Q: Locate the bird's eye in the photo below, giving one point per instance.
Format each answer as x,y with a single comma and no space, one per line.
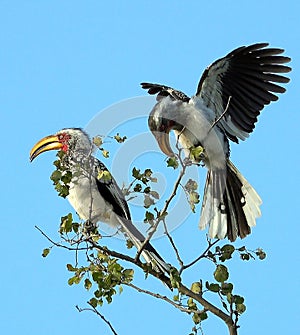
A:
64,137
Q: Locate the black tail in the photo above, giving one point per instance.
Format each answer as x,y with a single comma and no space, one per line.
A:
230,205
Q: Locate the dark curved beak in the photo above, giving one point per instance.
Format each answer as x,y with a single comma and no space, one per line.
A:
163,140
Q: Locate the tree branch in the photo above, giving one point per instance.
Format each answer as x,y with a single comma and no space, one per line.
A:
162,297
173,244
210,245
162,213
210,307
94,310
60,244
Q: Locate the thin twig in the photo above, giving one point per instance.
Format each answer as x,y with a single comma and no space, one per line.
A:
148,238
173,244
163,297
59,244
94,310
222,115
164,210
184,267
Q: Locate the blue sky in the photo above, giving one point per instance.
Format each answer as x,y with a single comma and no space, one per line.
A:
61,62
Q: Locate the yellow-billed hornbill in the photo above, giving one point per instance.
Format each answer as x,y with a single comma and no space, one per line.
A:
230,95
93,197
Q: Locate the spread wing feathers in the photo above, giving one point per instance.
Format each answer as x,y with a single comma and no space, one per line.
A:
230,205
250,76
110,191
164,91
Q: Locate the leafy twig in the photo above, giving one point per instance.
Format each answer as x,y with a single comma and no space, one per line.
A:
163,297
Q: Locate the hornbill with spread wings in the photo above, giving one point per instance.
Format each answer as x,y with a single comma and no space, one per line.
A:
230,95
95,198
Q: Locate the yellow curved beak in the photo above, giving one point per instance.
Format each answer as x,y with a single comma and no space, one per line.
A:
45,144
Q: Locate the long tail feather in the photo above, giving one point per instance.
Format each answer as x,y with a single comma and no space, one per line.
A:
230,205
150,255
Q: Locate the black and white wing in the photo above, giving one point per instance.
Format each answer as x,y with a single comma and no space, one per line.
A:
164,91
112,194
249,77
110,191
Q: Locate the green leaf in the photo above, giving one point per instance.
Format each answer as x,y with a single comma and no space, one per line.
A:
154,194
221,273
72,280
46,252
176,297
261,254
149,217
55,176
243,248
128,274
196,318
148,173
175,277
153,179
194,199
148,201
147,189
172,162
226,251
105,153
71,268
75,227
137,188
191,304
238,299
196,287
87,284
129,244
213,287
191,185
240,308
66,177
136,173
120,139
197,153
66,223
97,140
63,190
104,175
226,288
93,302
203,316
245,256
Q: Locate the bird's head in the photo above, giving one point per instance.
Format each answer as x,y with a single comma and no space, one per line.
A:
67,140
160,128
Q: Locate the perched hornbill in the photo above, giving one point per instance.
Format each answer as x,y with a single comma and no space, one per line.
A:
230,95
93,197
